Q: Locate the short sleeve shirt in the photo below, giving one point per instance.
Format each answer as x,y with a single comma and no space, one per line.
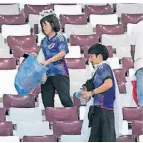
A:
50,48
106,99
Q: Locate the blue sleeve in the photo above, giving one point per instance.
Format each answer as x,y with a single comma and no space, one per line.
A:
63,44
105,72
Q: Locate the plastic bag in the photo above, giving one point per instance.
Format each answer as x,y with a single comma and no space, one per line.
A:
29,76
41,58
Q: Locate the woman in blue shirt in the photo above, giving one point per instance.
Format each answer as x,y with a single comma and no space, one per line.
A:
54,46
101,115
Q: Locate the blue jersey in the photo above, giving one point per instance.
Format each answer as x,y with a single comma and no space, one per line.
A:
50,48
106,99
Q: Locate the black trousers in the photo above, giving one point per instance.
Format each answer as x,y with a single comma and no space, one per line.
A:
102,129
60,83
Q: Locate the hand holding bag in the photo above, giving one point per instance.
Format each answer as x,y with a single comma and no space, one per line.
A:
29,75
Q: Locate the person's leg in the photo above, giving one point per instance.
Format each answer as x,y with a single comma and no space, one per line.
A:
62,85
139,78
108,126
48,93
95,133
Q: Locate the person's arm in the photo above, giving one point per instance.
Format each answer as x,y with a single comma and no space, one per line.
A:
104,87
105,75
63,50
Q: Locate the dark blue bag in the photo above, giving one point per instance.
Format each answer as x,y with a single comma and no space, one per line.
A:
29,76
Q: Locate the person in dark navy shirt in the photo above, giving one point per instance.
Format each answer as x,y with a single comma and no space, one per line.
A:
54,46
102,127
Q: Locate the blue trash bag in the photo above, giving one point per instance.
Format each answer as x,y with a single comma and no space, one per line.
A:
29,76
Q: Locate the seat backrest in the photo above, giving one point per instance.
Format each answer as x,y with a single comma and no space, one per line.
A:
109,29
9,9
127,63
84,40
35,9
24,42
115,40
108,19
5,53
11,30
7,75
84,29
67,128
132,113
70,138
8,72
74,52
76,63
129,8
33,129
137,128
22,114
73,19
119,42
6,129
141,138
7,63
98,9
9,139
114,62
121,80
131,18
61,114
2,115
49,138
18,101
130,27
128,138
67,9
18,51
12,19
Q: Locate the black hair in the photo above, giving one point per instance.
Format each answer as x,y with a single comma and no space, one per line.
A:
53,20
99,49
